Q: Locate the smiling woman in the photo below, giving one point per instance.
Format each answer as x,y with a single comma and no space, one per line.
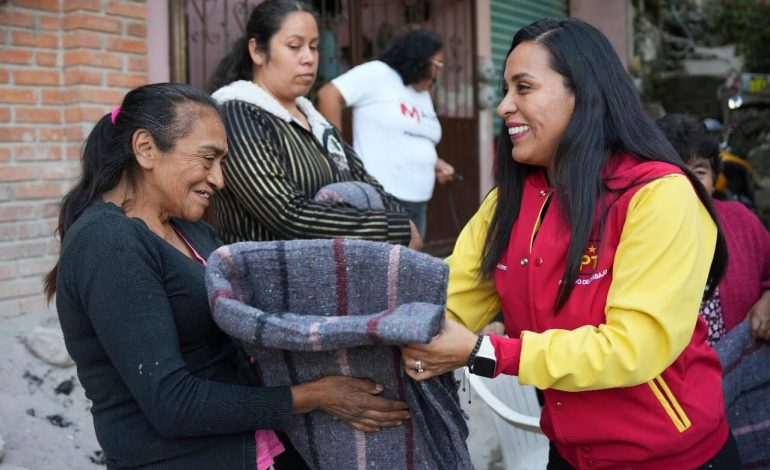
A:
596,245
169,388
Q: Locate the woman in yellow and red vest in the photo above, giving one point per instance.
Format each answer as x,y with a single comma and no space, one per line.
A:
596,244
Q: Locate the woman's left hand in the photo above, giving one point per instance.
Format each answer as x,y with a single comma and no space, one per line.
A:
444,171
759,318
447,351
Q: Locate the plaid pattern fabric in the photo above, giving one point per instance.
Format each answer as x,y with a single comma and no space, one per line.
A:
305,309
746,384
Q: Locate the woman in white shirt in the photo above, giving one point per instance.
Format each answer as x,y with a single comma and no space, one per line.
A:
395,128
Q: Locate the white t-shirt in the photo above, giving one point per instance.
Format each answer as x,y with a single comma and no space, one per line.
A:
395,129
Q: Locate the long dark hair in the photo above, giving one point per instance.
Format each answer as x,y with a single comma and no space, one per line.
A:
108,152
410,54
608,120
265,20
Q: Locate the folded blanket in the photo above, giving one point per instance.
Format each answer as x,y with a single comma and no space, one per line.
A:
746,385
355,193
305,309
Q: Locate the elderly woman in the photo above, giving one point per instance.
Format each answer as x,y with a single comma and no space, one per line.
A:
169,389
282,151
598,274
395,128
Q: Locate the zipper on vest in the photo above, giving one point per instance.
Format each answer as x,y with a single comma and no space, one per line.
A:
539,221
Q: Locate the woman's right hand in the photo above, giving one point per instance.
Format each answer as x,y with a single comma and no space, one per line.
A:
415,242
352,400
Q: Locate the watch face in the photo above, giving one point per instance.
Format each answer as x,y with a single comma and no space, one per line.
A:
484,366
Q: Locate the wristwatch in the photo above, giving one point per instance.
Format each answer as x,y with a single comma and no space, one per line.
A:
483,361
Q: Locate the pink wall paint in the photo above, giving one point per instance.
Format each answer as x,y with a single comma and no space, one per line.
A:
612,17
158,52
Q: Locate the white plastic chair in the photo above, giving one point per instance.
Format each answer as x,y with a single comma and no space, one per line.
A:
517,420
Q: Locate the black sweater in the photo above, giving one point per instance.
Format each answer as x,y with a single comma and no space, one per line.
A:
169,389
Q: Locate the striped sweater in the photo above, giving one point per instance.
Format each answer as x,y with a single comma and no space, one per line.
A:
275,168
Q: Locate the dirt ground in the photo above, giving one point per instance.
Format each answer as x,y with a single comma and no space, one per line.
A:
44,417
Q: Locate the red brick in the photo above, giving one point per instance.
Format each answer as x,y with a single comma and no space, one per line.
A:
72,152
79,76
16,18
51,209
88,114
18,95
7,270
101,96
14,212
17,134
19,287
37,190
19,173
5,76
61,134
5,154
37,152
85,39
8,232
38,114
136,29
58,96
46,59
133,10
126,80
36,77
92,58
94,5
137,64
134,46
15,56
35,229
49,5
51,134
5,114
38,39
74,133
91,22
62,171
52,23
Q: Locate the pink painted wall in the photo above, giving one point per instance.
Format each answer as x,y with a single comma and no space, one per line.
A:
158,52
612,17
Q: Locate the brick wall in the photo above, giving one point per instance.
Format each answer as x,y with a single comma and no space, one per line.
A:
63,64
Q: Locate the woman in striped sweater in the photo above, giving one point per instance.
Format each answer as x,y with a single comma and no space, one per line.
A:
282,151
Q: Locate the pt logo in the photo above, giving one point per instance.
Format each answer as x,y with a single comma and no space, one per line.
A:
590,259
410,111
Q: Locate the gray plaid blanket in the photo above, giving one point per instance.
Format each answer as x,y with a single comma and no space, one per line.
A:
746,385
305,309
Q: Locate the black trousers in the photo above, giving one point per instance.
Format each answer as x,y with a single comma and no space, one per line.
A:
290,459
726,459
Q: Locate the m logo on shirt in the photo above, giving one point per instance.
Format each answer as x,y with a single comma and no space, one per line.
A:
410,111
